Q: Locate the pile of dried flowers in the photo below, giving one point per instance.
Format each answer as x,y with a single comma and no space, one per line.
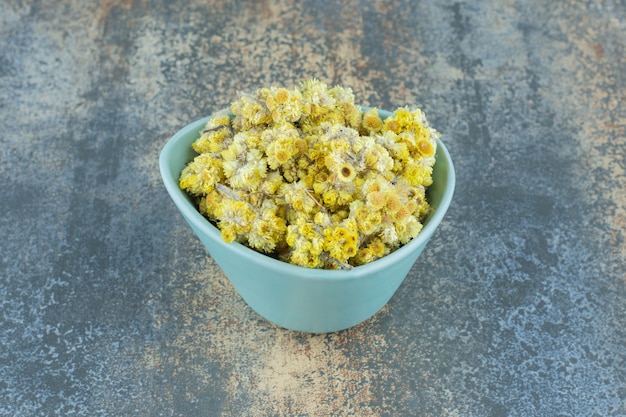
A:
309,177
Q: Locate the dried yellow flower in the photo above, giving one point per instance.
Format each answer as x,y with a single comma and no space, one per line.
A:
307,176
371,121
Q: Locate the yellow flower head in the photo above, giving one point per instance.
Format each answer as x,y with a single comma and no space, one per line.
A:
249,111
228,233
392,203
283,143
213,139
364,256
330,198
284,105
391,125
376,200
282,95
371,122
417,173
346,172
322,219
200,176
426,148
352,115
317,98
377,247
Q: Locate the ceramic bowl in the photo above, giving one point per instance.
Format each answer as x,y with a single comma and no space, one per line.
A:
294,297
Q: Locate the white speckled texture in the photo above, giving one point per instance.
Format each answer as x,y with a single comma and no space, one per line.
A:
109,305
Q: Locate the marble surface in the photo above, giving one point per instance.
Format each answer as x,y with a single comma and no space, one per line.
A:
110,306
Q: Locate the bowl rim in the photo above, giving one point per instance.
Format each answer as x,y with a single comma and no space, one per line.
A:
198,221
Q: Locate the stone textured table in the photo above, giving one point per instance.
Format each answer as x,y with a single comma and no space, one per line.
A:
110,306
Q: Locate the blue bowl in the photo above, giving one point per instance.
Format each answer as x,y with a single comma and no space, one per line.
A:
294,297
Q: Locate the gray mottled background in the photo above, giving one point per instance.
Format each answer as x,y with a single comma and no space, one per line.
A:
109,305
